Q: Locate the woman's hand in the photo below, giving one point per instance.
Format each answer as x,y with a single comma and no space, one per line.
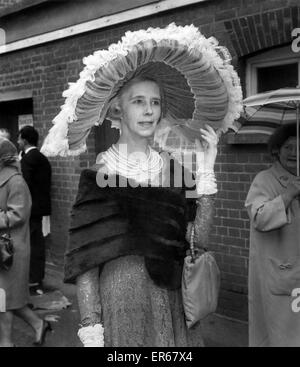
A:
293,188
292,191
207,149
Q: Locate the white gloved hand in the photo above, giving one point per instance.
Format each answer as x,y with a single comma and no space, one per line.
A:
206,156
207,150
92,336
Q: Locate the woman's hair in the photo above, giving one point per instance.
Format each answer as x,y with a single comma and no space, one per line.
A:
8,153
30,134
280,136
114,110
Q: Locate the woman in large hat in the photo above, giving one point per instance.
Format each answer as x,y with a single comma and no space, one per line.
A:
170,88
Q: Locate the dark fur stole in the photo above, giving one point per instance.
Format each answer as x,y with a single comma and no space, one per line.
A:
119,221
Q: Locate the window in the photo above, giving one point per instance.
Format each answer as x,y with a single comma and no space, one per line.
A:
272,69
269,70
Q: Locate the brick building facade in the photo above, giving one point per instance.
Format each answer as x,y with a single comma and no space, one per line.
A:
7,3
33,78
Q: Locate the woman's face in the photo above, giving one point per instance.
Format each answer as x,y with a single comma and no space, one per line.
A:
288,155
140,105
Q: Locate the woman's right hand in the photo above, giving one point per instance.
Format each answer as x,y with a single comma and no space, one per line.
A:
293,188
292,191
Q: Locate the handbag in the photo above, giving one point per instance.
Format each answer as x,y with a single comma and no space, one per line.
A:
200,284
6,249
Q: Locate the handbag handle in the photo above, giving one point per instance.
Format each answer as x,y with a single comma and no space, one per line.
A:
7,223
192,245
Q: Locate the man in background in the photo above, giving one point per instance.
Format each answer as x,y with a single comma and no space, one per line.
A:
36,170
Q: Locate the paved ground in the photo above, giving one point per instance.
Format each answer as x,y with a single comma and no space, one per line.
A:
218,331
66,326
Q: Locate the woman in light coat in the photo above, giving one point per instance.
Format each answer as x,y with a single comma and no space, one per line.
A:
15,206
273,204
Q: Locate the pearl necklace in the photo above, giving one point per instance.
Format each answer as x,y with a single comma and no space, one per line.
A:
133,166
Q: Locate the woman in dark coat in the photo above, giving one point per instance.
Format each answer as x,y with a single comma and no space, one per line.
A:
15,206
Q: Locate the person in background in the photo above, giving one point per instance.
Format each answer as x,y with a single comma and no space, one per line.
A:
4,133
36,171
274,211
137,209
15,205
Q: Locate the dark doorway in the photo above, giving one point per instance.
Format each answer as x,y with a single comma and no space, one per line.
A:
10,112
105,136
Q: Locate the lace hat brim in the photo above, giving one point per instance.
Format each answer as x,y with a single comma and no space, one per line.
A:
200,87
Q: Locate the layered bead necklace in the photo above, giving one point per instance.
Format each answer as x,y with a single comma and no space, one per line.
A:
135,166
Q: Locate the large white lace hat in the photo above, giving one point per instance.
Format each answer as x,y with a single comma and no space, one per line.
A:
199,82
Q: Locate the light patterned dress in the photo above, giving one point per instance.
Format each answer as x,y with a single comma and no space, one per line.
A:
137,313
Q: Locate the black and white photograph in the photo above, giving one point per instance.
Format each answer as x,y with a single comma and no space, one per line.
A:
149,176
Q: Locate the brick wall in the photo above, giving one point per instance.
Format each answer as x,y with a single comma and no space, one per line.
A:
236,168
6,3
238,24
